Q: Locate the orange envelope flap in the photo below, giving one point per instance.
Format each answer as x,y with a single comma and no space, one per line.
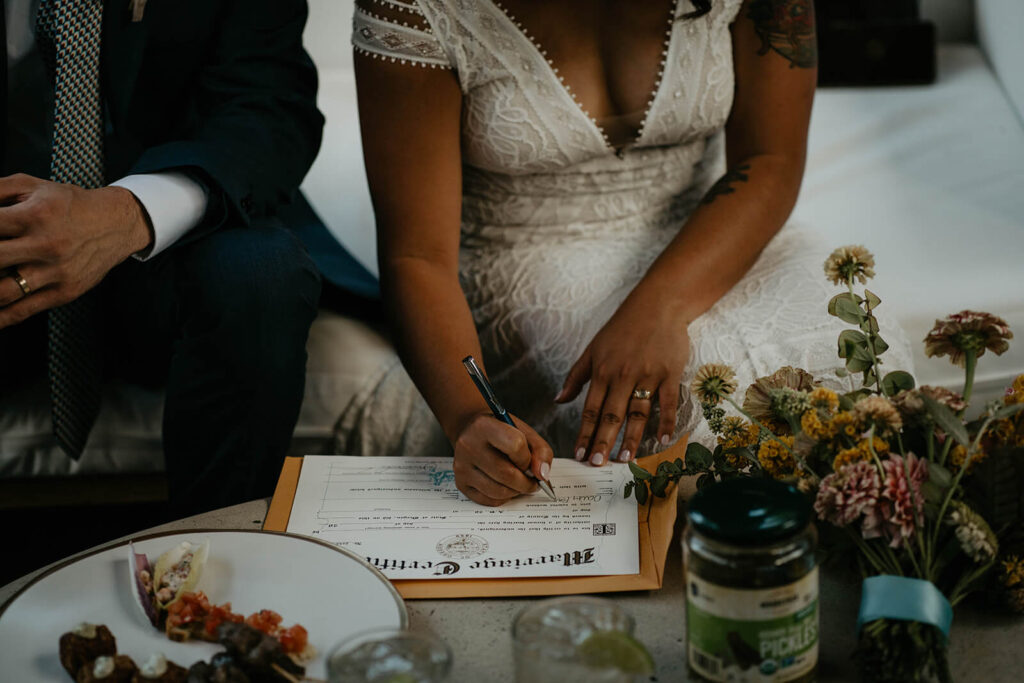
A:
655,523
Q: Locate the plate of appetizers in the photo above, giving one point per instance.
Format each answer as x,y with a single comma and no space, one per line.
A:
205,605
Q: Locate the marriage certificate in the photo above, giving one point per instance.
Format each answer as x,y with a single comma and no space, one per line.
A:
405,516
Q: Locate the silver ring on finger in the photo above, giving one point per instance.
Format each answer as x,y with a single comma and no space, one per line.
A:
22,283
641,394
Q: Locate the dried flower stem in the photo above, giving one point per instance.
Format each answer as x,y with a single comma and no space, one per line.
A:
970,362
871,339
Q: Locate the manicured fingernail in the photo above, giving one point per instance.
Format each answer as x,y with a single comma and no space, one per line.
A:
664,439
624,456
580,452
545,470
529,473
597,459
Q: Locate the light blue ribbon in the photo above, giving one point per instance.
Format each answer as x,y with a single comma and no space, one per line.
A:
899,597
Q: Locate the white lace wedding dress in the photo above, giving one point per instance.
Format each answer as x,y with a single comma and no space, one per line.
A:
558,226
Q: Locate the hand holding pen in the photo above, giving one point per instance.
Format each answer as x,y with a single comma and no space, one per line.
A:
538,463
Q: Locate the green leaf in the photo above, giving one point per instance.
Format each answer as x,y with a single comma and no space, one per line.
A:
858,360
869,325
705,480
842,372
1008,411
847,310
846,401
698,458
628,490
833,304
933,493
897,381
945,419
639,472
872,298
641,493
849,340
880,345
939,475
870,377
658,485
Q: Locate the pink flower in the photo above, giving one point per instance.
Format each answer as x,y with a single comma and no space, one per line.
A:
900,509
965,331
848,494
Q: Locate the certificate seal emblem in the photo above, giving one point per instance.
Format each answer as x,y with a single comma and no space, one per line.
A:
462,546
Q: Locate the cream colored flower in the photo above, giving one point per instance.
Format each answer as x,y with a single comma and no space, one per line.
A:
974,534
757,402
850,263
880,411
965,331
713,382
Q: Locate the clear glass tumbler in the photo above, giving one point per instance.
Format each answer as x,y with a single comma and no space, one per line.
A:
555,641
389,656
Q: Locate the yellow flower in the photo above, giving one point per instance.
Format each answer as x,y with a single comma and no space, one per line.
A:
812,426
775,458
1013,571
737,433
848,456
713,382
959,454
850,263
845,423
825,399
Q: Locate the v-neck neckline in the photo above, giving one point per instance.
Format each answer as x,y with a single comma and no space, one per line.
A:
566,89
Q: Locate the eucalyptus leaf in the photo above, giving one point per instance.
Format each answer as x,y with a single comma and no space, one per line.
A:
846,401
1008,411
880,345
939,475
641,493
842,372
659,484
848,311
897,381
705,480
850,339
872,298
855,364
833,304
639,472
933,493
869,325
698,458
870,377
946,419
628,491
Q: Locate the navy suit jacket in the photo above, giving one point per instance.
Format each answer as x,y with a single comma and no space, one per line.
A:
223,90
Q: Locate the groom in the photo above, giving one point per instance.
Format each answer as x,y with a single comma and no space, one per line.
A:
150,153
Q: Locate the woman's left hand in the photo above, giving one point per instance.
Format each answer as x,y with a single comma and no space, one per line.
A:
642,351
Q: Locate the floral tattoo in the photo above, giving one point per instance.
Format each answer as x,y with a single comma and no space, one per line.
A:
724,184
787,27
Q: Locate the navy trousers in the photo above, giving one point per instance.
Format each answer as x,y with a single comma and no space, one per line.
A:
221,324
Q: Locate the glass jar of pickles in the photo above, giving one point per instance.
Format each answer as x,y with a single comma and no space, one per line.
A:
751,583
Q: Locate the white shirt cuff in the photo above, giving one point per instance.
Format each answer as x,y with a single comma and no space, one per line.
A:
174,202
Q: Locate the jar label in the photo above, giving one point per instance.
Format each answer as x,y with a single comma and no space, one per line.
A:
768,634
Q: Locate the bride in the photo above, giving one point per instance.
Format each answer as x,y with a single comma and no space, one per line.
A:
554,196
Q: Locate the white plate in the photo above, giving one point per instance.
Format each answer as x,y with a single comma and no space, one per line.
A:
328,590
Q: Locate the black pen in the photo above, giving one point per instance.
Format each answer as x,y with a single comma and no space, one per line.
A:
499,412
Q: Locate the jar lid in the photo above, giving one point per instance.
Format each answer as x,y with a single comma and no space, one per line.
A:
749,511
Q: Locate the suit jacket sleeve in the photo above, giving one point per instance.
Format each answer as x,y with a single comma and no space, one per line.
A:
256,127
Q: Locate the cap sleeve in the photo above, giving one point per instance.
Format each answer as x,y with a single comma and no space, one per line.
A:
398,31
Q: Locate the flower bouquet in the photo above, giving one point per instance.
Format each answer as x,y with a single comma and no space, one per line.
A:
901,479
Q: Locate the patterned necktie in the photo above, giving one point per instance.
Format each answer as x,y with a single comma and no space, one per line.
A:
69,40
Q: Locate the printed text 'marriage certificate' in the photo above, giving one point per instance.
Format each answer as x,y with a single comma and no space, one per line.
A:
405,516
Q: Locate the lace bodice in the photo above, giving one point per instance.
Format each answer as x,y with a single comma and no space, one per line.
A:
558,226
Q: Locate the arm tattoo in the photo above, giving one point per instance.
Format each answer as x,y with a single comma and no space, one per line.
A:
724,184
786,26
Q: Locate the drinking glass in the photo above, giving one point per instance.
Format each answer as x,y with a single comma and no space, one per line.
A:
549,639
389,656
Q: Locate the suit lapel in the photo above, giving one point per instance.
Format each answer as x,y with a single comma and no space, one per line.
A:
123,43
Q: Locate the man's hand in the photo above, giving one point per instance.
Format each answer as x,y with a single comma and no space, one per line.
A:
62,239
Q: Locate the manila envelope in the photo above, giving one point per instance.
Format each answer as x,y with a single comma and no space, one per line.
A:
655,522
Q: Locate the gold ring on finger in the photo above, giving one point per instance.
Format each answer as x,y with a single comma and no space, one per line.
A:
16,276
641,394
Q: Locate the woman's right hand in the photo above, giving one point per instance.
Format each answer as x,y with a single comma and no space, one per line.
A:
492,460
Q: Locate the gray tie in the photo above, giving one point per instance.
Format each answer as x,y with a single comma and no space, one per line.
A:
69,33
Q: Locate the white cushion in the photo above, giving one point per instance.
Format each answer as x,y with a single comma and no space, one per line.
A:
931,180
